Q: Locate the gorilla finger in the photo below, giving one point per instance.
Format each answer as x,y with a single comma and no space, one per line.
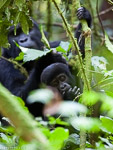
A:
78,91
75,88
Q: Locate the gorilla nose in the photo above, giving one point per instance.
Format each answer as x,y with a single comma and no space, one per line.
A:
64,87
23,40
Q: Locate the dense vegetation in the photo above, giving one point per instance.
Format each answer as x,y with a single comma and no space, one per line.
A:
86,124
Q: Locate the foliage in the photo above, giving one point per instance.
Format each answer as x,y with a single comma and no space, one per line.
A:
63,132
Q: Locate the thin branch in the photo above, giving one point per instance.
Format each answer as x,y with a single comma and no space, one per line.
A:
17,65
104,11
57,24
103,40
67,27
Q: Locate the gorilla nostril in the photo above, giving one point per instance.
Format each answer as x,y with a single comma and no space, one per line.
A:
63,86
23,40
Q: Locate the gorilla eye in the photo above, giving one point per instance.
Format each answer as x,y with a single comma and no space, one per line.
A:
62,77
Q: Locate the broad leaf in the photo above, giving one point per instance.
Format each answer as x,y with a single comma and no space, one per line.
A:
71,108
99,63
32,54
57,138
89,124
107,124
64,47
42,95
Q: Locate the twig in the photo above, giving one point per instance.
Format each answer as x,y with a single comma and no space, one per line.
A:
66,25
103,39
104,11
18,66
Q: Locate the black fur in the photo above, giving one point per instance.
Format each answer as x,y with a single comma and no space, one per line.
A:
82,13
58,75
10,75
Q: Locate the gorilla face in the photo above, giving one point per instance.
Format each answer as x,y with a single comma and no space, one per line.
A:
61,82
59,76
32,40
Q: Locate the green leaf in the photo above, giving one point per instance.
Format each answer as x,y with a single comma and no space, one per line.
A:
57,138
58,1
88,124
3,33
57,121
24,23
20,4
16,20
99,63
4,137
32,54
2,3
107,142
108,44
90,98
8,14
42,95
109,93
20,57
64,47
71,108
107,124
107,104
72,142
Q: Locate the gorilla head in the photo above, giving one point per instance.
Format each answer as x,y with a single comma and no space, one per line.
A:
32,40
59,76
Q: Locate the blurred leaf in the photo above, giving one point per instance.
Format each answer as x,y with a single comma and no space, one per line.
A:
2,3
108,44
3,33
72,142
109,93
107,124
108,73
71,108
57,138
99,63
107,104
20,4
58,1
46,132
19,99
91,97
41,95
58,121
8,14
5,138
107,143
89,124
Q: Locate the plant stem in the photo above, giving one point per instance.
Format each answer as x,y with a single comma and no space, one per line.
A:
24,124
74,41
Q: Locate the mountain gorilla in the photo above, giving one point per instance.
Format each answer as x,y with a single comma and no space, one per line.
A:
59,76
12,78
